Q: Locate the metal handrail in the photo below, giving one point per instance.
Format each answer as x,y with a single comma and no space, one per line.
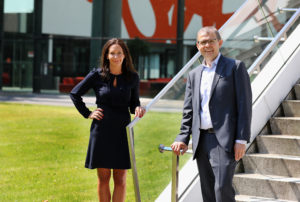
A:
162,148
273,43
260,38
288,9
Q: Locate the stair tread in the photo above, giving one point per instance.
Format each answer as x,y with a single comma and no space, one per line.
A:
283,136
298,101
286,118
268,177
257,198
275,156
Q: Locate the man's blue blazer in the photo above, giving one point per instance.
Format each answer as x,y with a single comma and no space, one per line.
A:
230,105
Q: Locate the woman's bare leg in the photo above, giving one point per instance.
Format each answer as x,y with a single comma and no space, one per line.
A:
119,176
103,184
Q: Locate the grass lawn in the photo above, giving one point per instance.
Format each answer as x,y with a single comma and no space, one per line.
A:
43,148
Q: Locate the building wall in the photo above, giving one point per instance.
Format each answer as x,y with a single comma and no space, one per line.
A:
158,19
67,27
140,18
65,17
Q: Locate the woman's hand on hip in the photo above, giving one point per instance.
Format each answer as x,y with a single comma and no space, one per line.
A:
97,114
139,111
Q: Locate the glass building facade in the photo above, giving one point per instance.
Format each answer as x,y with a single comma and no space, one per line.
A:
66,38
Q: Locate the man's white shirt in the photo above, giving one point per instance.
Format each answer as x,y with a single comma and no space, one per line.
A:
208,74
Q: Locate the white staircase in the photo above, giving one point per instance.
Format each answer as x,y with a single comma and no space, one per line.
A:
273,173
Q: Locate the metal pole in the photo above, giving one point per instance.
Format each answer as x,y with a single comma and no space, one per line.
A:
175,165
130,140
112,18
1,41
175,170
97,31
106,23
37,36
50,49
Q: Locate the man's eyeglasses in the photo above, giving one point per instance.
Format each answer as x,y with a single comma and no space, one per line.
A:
209,42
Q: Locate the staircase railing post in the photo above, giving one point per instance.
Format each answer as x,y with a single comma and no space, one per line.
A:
175,165
130,139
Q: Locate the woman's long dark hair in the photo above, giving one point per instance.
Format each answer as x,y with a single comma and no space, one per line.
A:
127,65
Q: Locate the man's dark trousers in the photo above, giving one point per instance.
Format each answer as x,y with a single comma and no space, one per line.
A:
215,165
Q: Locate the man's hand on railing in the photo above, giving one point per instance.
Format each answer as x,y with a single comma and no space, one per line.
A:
179,148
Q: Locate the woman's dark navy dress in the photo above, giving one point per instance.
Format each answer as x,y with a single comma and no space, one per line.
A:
108,147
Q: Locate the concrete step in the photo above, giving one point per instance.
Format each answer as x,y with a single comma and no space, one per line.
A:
279,144
272,164
285,125
297,91
269,186
291,108
246,198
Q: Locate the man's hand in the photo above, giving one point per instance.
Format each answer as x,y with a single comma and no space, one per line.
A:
239,151
178,146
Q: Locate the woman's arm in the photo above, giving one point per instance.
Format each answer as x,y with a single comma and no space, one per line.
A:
135,97
79,90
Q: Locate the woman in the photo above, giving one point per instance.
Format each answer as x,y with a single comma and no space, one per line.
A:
116,86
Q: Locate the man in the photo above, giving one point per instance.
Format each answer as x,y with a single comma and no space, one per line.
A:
217,112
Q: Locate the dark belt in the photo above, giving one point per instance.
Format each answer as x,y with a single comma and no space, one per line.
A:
209,130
